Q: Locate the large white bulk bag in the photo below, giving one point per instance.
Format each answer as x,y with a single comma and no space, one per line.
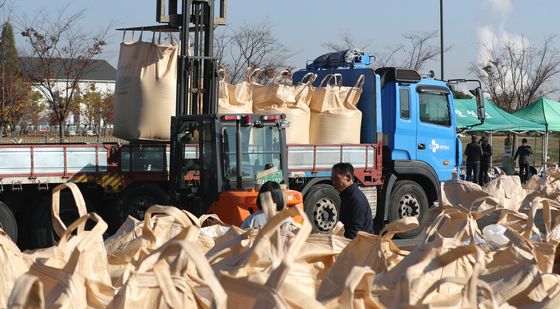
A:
145,90
238,98
299,117
336,120
335,127
288,99
273,94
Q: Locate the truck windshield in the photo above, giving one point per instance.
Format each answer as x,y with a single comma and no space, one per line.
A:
434,108
260,148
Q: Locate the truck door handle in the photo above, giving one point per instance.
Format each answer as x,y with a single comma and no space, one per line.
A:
421,146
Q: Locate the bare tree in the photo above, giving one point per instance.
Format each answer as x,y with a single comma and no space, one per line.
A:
62,55
251,46
421,50
346,41
517,74
415,54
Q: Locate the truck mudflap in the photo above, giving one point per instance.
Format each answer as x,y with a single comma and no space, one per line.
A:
236,205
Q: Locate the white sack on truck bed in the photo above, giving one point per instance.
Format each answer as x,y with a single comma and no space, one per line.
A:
292,100
145,90
334,116
236,98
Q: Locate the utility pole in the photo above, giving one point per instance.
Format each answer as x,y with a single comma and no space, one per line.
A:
441,34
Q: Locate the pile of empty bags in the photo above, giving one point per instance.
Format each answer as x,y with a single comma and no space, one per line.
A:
490,247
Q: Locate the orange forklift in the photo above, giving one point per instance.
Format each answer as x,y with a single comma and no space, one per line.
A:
232,150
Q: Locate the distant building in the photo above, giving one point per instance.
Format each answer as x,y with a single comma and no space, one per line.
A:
99,73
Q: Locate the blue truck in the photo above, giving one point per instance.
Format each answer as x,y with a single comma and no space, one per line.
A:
409,142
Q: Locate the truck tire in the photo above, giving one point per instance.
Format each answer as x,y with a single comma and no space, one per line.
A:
40,217
408,199
8,222
322,206
136,199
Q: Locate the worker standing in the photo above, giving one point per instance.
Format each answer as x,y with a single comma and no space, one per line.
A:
523,152
355,212
485,161
473,152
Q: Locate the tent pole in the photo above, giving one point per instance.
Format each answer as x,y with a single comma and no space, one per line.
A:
535,147
545,151
490,141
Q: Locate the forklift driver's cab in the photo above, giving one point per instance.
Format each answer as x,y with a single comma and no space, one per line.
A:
218,174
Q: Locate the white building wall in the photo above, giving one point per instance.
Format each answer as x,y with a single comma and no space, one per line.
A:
103,87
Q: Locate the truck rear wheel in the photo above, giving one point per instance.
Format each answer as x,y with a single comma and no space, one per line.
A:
41,234
408,199
8,222
137,199
322,206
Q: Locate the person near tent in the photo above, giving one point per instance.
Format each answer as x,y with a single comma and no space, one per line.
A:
523,152
473,152
485,160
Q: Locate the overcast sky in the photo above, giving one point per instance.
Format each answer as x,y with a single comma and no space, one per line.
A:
302,25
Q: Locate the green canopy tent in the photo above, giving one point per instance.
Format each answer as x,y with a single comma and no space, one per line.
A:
546,113
497,120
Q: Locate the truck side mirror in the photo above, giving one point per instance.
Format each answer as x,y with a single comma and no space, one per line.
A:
480,104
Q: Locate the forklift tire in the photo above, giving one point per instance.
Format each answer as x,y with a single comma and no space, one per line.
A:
408,199
8,222
322,206
42,234
136,199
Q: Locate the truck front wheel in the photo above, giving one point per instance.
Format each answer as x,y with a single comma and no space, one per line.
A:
322,206
8,222
408,199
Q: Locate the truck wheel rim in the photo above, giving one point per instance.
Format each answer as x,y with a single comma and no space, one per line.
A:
409,206
325,214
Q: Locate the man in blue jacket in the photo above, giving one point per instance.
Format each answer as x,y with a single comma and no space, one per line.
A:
355,212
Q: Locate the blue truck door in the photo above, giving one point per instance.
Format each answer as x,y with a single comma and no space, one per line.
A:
435,133
404,138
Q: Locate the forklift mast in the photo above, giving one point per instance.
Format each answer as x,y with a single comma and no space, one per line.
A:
197,79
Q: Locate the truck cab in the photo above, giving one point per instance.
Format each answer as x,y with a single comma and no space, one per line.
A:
419,127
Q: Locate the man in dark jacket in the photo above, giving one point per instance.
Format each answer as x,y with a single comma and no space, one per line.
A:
523,152
355,212
473,152
485,160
